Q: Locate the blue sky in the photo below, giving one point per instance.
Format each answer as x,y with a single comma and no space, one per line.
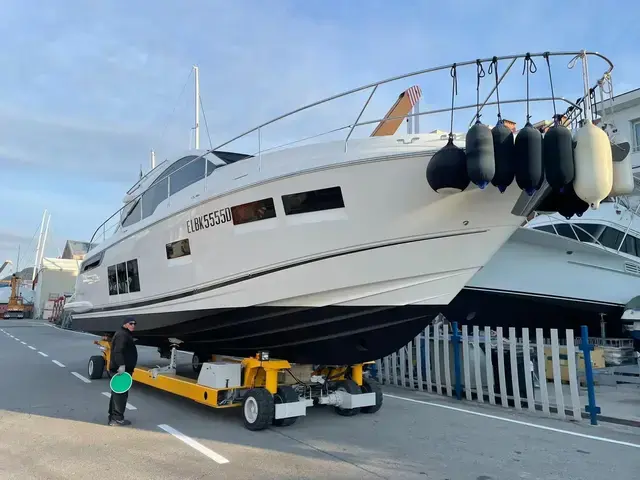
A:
88,88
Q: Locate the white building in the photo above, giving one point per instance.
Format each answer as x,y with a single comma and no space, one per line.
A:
624,113
55,278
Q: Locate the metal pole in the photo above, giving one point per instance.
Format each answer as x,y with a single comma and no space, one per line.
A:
197,105
44,240
591,408
35,262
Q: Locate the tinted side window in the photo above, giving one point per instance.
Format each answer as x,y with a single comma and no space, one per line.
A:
173,167
178,249
545,228
253,211
133,216
565,230
187,175
313,201
132,276
123,284
154,196
630,245
611,237
113,280
586,231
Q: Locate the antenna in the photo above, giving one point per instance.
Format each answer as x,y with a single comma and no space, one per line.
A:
197,105
153,159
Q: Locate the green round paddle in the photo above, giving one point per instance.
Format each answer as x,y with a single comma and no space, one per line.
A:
121,382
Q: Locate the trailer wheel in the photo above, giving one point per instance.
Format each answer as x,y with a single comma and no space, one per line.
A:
95,368
369,386
285,394
351,387
258,408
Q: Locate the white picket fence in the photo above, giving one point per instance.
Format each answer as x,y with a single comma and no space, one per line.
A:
428,364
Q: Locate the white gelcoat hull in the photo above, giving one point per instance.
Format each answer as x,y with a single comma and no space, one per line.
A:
536,263
396,242
542,280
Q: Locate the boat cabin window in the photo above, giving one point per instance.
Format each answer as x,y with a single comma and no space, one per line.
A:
313,201
132,276
113,280
133,216
123,278
587,232
178,176
611,238
545,228
253,211
92,262
178,249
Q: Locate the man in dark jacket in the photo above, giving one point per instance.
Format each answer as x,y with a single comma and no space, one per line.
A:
124,357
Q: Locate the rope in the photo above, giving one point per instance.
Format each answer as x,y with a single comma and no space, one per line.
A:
494,66
481,74
176,103
528,67
454,92
555,113
206,125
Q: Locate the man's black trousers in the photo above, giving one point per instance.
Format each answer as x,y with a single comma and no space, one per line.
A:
117,405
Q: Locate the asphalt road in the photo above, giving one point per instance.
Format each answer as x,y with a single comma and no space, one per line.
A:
53,426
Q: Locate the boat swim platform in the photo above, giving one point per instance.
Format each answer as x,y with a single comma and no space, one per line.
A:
257,384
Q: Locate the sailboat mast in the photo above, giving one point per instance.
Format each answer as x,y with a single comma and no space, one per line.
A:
197,105
35,263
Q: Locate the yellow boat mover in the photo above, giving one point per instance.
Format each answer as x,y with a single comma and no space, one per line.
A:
268,390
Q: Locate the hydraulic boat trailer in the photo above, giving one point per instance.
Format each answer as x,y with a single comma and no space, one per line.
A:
253,384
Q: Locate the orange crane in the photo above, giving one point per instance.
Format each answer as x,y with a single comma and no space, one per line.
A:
15,307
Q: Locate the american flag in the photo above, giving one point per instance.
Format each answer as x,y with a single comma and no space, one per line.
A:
414,93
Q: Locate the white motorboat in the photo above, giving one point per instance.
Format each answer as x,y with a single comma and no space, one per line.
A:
559,273
329,253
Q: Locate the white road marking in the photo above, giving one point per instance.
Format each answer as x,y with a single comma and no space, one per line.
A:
518,422
77,375
24,343
16,339
58,363
73,331
216,457
43,354
129,406
32,348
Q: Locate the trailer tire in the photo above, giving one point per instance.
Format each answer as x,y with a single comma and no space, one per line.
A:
351,387
95,368
258,409
285,394
369,386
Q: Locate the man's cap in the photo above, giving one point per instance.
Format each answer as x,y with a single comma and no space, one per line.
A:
129,320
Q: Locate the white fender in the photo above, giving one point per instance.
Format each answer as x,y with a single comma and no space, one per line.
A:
593,179
623,183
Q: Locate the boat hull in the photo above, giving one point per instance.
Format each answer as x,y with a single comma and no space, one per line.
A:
542,280
333,335
338,285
